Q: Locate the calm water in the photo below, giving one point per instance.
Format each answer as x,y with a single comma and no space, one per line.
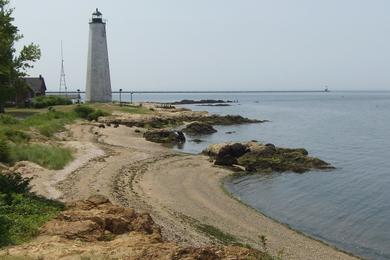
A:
348,207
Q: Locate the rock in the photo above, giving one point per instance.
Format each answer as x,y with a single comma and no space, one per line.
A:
269,158
165,136
202,101
238,149
228,154
199,128
198,141
92,219
102,126
98,200
86,230
228,120
225,160
213,149
257,157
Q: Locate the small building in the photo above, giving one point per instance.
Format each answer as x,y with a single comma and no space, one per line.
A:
34,87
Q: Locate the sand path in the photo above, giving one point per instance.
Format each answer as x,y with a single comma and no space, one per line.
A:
178,190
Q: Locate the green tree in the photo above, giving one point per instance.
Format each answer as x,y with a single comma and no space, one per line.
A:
13,65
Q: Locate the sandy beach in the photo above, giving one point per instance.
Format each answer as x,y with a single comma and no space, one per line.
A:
178,190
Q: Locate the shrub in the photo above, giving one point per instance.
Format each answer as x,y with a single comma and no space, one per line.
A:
21,219
89,113
96,114
84,111
47,101
14,183
4,151
51,157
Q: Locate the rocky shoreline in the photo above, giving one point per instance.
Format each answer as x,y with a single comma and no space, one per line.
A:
254,157
180,209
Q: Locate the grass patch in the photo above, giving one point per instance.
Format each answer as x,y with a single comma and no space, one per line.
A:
48,101
135,110
22,213
8,120
48,156
217,234
48,123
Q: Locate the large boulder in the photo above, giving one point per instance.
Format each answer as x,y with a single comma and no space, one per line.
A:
269,158
96,218
257,157
199,128
165,136
228,154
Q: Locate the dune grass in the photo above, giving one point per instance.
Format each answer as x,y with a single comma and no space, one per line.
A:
18,126
47,156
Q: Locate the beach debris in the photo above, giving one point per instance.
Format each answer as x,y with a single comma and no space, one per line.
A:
199,128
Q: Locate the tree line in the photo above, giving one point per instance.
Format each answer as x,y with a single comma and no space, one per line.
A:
13,64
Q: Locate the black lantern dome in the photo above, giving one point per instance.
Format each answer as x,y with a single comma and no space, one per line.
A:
97,17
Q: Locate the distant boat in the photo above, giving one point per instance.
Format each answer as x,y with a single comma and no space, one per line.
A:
326,89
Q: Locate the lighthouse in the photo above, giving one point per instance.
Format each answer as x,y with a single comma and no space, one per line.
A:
98,87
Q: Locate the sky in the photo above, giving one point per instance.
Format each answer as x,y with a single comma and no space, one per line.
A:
216,44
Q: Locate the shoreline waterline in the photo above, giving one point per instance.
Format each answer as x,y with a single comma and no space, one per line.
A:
224,188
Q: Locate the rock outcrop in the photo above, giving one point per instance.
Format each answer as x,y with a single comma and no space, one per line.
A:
199,128
165,136
97,229
256,157
97,219
175,118
202,101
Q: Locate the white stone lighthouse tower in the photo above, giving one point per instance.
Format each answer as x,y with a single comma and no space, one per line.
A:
98,88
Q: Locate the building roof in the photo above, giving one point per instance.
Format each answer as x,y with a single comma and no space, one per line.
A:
37,85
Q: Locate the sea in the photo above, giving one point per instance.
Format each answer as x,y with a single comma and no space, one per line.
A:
348,207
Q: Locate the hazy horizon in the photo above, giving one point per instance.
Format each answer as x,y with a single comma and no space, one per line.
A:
217,45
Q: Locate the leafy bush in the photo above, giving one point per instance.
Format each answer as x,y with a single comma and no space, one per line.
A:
8,120
21,219
89,113
4,151
22,213
47,101
51,157
96,114
84,111
14,183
